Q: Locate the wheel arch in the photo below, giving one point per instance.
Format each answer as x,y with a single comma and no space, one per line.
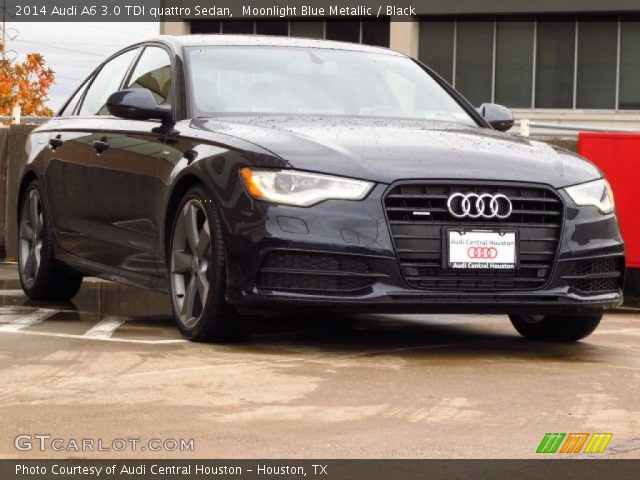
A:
28,177
182,186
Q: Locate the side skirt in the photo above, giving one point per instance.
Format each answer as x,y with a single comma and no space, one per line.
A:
114,274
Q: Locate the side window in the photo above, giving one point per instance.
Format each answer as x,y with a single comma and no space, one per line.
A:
106,82
71,106
153,72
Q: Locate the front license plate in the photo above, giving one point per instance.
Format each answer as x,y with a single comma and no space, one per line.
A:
482,249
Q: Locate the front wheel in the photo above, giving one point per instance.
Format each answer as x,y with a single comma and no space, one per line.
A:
556,328
197,268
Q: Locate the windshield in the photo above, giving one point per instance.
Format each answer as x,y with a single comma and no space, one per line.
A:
277,80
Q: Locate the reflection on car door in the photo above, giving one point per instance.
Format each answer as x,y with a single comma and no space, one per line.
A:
123,184
65,179
124,176
67,175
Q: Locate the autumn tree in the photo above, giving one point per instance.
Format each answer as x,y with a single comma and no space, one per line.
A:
27,82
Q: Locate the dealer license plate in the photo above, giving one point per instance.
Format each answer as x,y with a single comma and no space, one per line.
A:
482,249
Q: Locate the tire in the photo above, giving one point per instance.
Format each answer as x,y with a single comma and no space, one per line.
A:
201,312
42,277
556,328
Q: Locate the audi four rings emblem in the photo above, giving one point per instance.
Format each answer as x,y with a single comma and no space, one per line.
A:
479,205
482,252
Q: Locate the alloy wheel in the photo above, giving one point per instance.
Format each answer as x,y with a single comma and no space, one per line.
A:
31,230
190,262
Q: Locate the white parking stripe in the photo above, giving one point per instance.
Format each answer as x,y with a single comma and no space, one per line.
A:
105,328
17,319
24,321
11,293
99,339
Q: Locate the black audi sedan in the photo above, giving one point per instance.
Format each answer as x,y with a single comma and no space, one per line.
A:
248,175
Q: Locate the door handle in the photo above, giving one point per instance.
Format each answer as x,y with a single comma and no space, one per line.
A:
56,142
101,145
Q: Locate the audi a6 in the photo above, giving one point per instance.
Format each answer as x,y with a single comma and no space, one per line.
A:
261,175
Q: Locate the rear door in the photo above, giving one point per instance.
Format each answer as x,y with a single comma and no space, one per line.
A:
123,178
65,175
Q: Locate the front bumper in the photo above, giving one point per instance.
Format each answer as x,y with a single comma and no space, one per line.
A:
339,256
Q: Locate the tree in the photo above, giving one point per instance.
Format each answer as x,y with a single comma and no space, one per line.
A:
27,82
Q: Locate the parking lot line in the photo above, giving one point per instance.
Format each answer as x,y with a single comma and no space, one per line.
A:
16,324
99,339
106,328
18,319
11,293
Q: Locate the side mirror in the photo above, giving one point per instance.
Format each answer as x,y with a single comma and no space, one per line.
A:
499,117
137,104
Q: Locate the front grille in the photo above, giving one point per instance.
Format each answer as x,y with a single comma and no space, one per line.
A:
596,276
418,239
317,273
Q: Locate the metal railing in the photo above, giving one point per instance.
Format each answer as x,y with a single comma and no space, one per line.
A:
23,120
526,125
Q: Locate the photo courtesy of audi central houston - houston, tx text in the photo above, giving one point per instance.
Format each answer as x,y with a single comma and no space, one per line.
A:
330,240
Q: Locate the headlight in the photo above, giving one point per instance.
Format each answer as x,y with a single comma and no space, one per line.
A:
301,189
594,194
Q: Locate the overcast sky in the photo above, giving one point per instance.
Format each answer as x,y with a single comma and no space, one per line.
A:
73,50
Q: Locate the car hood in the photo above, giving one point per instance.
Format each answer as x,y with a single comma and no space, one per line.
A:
386,150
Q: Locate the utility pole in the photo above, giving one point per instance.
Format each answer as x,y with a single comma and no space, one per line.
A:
16,111
7,34
4,29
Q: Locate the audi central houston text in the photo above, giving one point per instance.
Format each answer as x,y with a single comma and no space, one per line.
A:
249,175
197,469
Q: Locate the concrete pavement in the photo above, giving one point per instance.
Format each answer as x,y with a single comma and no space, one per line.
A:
111,365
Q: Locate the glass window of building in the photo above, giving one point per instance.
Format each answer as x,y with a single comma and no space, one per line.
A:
436,45
231,26
306,29
376,32
555,62
630,63
474,59
343,31
201,26
280,28
597,60
581,61
514,61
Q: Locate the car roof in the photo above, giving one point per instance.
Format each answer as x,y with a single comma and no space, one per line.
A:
178,41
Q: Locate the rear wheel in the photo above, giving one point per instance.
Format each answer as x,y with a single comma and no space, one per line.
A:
41,276
558,328
197,266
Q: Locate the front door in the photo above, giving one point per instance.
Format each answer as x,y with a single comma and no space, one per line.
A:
123,179
124,186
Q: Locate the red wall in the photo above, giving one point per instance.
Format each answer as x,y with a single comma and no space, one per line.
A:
618,155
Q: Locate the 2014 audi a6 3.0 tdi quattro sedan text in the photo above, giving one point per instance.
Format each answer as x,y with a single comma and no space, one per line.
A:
249,175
